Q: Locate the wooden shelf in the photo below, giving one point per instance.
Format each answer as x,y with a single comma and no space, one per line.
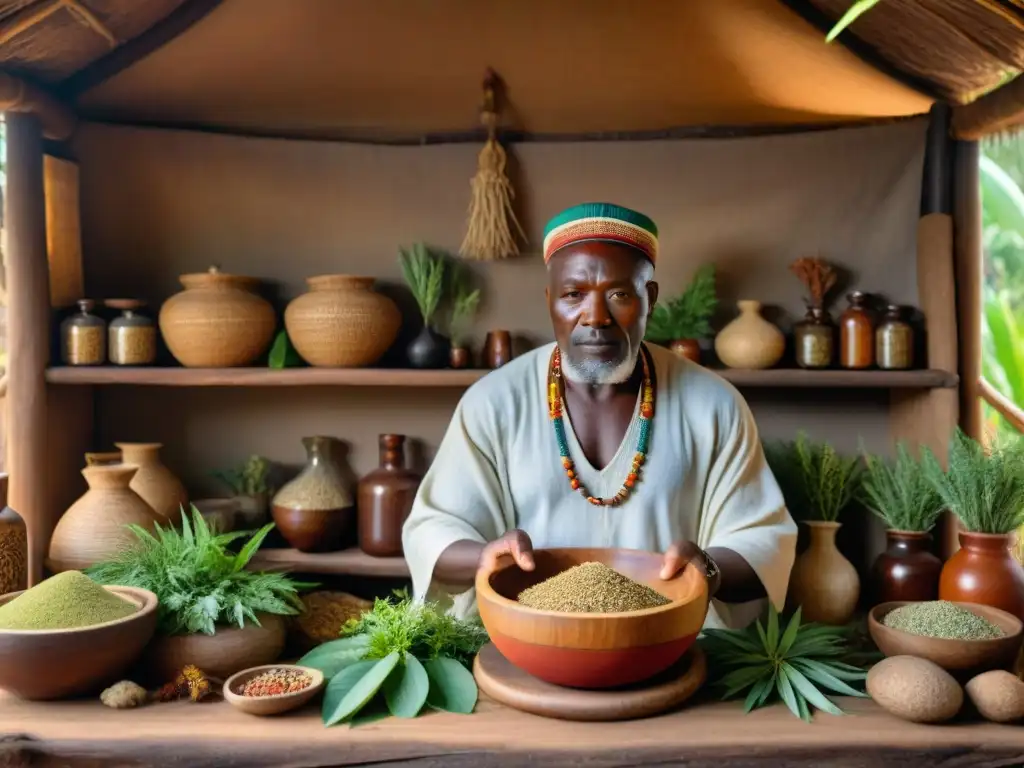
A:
402,377
347,562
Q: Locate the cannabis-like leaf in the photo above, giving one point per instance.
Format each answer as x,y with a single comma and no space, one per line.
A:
796,664
688,315
424,274
816,482
899,492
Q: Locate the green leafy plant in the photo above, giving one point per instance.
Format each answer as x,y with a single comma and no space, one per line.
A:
199,583
795,665
283,354
855,11
396,659
816,482
688,316
899,492
985,490
248,479
424,274
465,300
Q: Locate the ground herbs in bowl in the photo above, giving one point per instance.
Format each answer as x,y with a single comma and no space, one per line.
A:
941,619
591,588
275,682
69,600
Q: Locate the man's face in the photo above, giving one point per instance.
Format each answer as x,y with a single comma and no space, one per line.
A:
600,296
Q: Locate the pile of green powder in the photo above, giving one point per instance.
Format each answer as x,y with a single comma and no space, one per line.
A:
943,619
65,601
591,588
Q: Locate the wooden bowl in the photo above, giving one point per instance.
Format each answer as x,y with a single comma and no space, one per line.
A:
270,705
45,664
592,650
957,656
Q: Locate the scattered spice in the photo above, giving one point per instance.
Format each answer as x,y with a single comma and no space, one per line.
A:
274,682
591,588
68,600
191,682
124,695
942,619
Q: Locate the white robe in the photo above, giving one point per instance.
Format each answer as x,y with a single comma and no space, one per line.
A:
705,480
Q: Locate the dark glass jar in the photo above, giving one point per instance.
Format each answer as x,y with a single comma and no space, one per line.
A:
815,339
856,334
894,341
83,337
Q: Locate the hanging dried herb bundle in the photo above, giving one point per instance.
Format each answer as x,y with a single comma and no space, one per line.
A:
818,278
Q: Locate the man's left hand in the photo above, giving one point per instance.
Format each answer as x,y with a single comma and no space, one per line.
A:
681,553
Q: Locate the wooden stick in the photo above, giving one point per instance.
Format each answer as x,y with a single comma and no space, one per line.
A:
88,18
1006,408
969,266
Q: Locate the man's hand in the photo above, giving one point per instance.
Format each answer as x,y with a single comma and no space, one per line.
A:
679,555
515,543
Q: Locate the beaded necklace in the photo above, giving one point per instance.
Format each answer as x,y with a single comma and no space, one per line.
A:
555,413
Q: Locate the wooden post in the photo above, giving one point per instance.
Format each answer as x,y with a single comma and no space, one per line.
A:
969,279
28,334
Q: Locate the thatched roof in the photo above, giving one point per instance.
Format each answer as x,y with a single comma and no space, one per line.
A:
319,67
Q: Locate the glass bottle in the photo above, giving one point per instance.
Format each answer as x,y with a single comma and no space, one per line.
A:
131,339
84,337
815,339
894,341
856,334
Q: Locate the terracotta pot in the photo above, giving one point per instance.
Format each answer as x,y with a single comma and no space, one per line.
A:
221,654
94,528
458,358
155,483
688,348
218,321
385,499
429,350
823,583
984,571
750,341
314,512
342,322
907,570
497,349
13,545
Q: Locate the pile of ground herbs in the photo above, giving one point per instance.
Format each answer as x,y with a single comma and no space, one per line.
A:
68,600
591,588
941,619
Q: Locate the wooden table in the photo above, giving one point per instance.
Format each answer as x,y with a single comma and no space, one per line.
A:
87,735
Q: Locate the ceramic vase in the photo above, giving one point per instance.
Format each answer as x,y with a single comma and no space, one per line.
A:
429,349
907,570
342,322
94,528
385,499
458,358
497,349
750,341
315,511
218,321
154,482
13,546
687,348
984,571
823,583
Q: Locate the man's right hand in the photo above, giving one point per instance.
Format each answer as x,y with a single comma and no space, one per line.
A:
515,543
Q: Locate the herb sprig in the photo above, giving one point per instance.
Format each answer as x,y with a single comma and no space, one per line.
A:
424,273
899,492
816,482
688,316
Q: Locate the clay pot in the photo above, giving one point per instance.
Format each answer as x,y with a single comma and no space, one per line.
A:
314,512
13,545
907,570
458,358
342,322
154,482
984,571
218,321
221,654
823,583
750,341
429,350
497,349
94,528
385,499
688,348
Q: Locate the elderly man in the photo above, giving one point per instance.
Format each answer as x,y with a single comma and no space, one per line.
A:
599,440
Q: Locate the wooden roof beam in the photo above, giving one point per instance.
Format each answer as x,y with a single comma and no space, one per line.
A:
997,111
57,118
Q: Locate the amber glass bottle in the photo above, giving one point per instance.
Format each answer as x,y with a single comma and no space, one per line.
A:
856,334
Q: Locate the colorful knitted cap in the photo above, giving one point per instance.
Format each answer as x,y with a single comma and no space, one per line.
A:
604,222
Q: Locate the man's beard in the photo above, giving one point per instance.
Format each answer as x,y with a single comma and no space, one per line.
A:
580,369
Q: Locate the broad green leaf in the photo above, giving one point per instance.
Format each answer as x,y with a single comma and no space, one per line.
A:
332,657
375,710
789,696
820,673
406,688
773,628
855,11
790,634
452,687
806,689
354,686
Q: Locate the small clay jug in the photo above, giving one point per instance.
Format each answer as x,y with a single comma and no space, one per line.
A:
907,570
823,583
750,341
458,358
429,350
984,571
497,349
154,482
314,511
385,499
13,545
95,527
688,348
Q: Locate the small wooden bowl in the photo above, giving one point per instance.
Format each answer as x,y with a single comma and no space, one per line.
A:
957,656
592,650
46,664
270,705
